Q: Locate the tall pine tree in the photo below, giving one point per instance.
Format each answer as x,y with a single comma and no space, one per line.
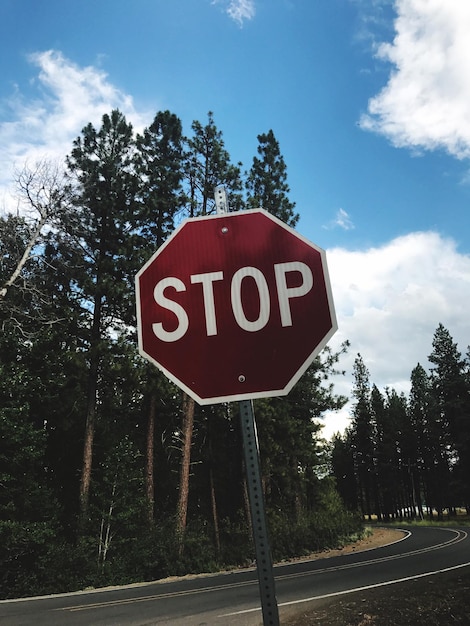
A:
159,164
266,183
102,163
363,428
451,392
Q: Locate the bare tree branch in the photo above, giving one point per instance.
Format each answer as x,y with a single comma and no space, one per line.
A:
42,193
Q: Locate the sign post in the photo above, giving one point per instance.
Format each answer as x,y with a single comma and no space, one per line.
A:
264,566
236,306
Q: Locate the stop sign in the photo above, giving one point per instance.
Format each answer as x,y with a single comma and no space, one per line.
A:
234,306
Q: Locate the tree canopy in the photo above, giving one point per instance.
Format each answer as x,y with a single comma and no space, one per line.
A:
107,473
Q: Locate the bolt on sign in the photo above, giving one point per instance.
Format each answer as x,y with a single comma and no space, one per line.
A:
234,306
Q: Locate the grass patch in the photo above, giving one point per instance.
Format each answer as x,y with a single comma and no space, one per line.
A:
460,520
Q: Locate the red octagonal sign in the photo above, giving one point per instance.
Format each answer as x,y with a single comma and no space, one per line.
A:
234,306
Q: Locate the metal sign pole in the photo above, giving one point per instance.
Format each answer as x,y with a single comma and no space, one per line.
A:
264,564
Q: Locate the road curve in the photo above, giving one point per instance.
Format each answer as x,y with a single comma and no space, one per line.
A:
232,598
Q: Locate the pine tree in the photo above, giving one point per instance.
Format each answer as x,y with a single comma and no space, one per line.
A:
208,165
420,416
397,416
363,429
465,444
342,466
451,393
159,160
159,164
386,455
266,184
102,162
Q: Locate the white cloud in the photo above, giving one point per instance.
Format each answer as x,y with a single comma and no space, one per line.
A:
239,10
341,220
390,300
67,97
425,102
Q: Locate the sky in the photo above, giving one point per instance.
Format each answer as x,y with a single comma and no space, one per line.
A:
367,98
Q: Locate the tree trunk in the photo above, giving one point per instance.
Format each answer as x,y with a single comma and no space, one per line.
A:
90,415
88,449
187,433
26,254
215,516
149,464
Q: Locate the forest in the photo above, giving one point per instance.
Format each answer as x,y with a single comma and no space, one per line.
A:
409,457
109,474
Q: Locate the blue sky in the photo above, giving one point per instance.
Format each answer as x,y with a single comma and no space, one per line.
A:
369,102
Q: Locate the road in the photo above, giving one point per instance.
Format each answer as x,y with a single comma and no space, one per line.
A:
233,598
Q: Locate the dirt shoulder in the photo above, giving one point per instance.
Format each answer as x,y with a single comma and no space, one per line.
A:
433,601
377,538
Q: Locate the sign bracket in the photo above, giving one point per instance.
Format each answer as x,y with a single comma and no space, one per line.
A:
221,202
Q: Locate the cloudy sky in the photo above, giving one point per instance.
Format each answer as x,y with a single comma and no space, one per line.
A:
368,99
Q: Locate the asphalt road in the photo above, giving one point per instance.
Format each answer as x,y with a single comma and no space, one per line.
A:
233,598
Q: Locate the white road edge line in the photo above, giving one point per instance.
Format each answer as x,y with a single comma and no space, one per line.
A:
341,593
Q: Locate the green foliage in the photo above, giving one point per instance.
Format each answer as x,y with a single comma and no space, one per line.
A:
410,457
267,181
24,492
159,164
329,525
24,547
342,469
208,165
236,541
290,447
15,233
